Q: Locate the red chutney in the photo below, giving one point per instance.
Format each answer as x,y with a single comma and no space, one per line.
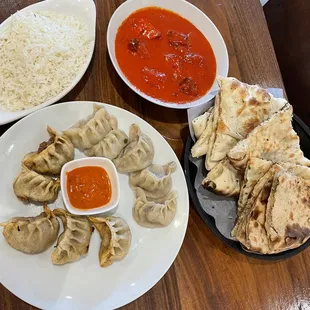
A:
88,187
165,56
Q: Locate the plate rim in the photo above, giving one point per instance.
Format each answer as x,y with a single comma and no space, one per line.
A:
209,220
148,287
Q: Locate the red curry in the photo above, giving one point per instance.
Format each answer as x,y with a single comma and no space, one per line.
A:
165,56
88,187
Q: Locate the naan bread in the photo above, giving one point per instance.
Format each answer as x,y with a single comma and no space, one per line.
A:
208,162
250,228
200,123
242,107
288,212
51,155
224,179
273,140
255,170
32,235
202,144
115,239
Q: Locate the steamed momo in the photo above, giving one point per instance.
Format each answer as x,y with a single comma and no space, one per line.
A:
73,242
111,146
32,235
115,239
51,155
155,180
157,213
87,133
138,154
29,185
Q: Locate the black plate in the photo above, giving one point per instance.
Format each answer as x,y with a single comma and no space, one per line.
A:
303,132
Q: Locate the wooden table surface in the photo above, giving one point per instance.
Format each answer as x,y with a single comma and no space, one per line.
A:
206,274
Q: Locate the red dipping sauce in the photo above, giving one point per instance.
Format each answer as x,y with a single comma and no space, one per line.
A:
88,187
165,56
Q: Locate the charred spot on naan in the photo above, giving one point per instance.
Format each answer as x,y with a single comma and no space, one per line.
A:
296,232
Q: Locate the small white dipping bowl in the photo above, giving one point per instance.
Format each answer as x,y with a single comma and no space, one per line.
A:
192,14
105,163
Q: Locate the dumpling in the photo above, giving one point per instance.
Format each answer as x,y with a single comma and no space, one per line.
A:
138,154
111,146
115,239
31,186
73,242
32,235
86,133
51,155
155,180
157,213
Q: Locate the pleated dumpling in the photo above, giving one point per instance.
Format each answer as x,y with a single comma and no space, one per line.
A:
115,239
73,242
138,154
156,213
111,146
86,133
155,180
51,155
32,235
31,186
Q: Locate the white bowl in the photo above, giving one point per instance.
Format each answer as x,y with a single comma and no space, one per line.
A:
191,13
105,163
83,9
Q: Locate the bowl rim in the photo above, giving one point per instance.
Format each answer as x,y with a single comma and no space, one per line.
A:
205,98
104,162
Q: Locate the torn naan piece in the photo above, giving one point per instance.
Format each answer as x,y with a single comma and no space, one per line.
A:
200,123
288,212
208,162
255,170
224,179
273,140
202,144
242,107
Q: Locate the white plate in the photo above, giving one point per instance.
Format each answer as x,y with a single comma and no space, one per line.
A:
84,9
197,18
84,284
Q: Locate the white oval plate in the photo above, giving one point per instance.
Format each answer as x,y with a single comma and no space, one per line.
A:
84,284
197,18
84,9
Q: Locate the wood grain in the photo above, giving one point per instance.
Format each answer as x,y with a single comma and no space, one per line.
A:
206,274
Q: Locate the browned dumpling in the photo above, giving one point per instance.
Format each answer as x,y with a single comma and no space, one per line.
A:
73,242
32,235
31,186
51,155
115,239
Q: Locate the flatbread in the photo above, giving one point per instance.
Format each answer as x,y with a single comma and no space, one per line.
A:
288,212
224,179
242,107
209,163
273,140
200,123
255,170
202,144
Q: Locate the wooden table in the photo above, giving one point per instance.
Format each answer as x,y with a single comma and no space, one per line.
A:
206,274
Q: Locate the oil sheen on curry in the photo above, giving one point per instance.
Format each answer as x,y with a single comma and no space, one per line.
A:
88,187
165,56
